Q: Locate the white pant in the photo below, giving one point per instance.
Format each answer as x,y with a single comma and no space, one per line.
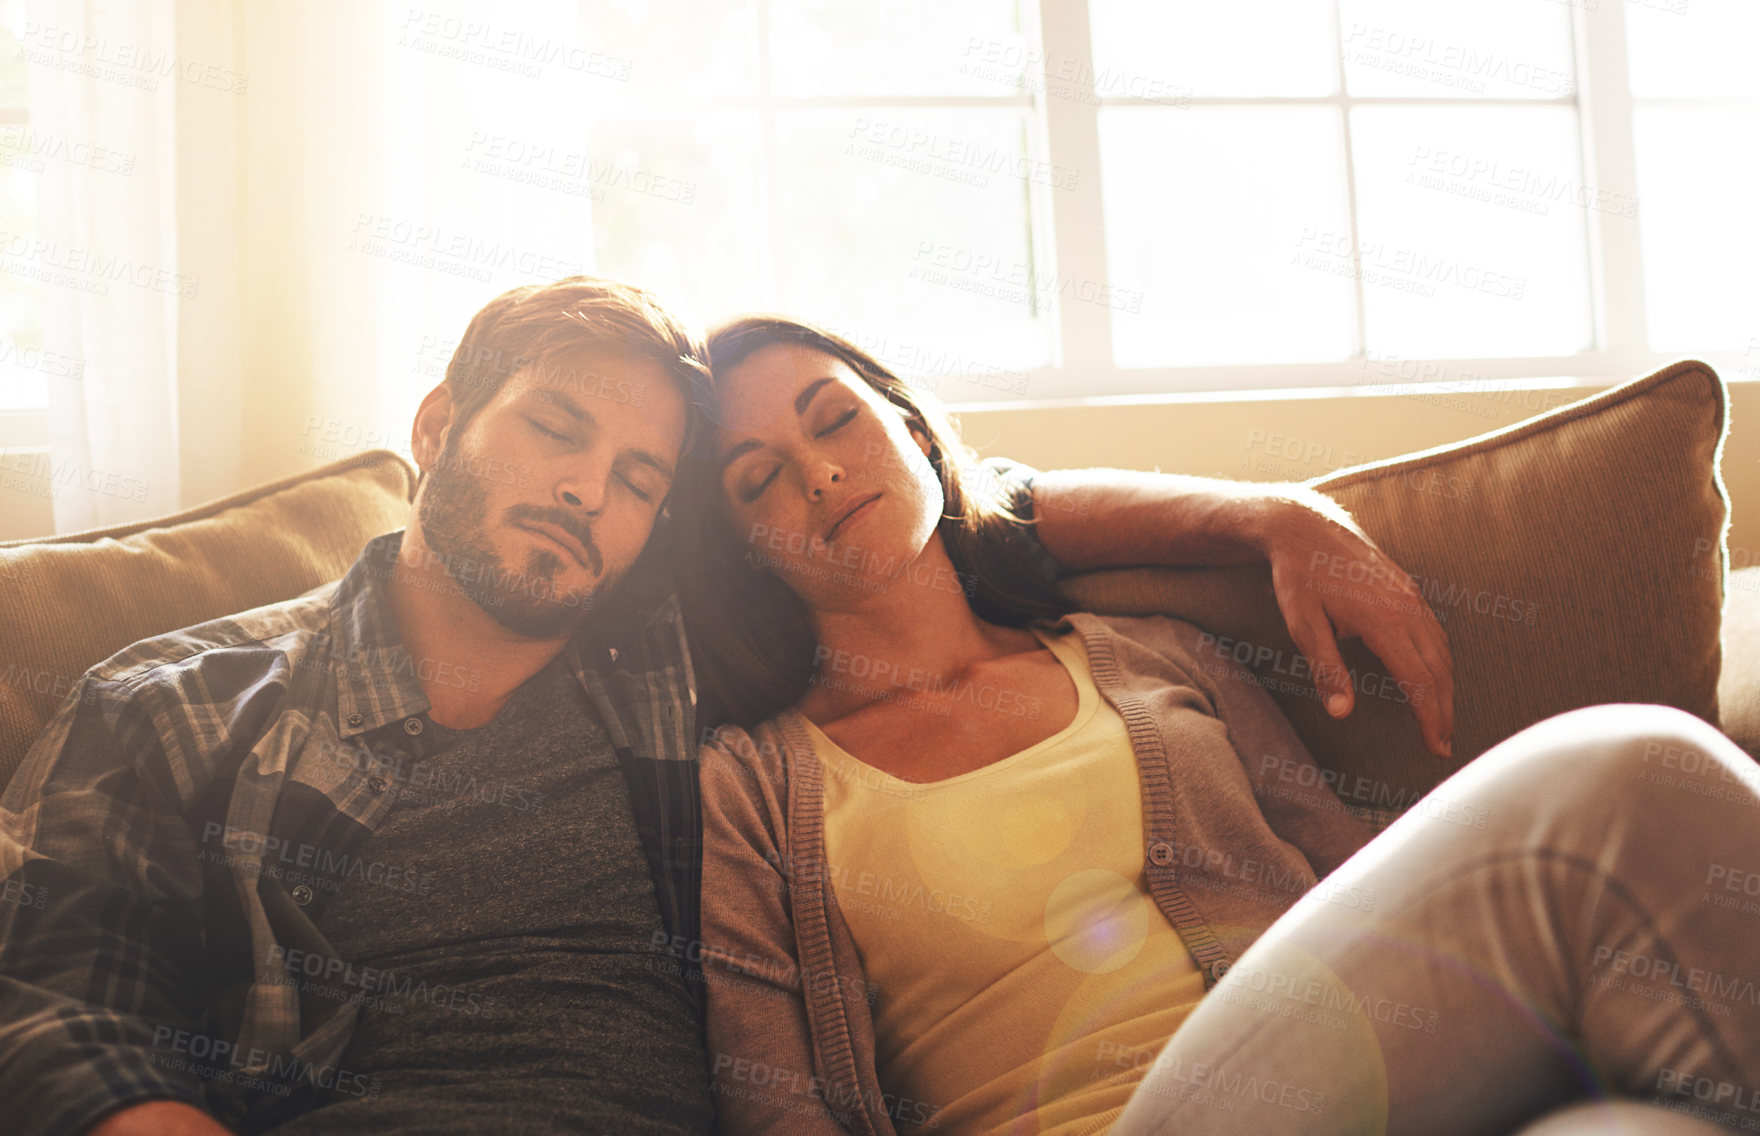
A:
1574,914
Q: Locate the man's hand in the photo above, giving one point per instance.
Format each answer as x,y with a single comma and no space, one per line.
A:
159,1118
1330,579
1332,582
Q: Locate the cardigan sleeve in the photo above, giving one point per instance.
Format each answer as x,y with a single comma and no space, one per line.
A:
1293,793
761,1048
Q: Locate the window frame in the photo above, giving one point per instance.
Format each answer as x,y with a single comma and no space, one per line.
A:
1069,225
1084,367
1069,230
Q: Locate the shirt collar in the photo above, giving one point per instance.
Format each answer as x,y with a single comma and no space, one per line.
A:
376,681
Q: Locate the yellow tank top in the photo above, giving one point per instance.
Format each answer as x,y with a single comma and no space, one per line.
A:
1026,978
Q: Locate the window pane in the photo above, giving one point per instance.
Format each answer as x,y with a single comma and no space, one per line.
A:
1471,223
915,227
1207,214
1441,49
905,47
674,48
1246,47
675,208
1697,173
1706,48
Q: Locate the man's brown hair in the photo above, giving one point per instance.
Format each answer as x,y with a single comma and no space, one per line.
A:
543,325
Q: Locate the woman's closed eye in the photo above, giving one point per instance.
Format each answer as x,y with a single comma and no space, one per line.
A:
843,420
753,492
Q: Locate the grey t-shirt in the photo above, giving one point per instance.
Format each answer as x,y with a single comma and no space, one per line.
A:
511,986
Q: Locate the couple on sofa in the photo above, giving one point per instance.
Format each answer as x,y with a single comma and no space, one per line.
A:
453,845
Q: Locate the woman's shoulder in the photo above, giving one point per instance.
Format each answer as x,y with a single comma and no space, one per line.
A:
1156,647
754,758
734,738
743,776
1163,634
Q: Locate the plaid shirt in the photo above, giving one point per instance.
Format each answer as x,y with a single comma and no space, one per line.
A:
174,834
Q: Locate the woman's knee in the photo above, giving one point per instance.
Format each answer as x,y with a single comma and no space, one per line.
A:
1625,751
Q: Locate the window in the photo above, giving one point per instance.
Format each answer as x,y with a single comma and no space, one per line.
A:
1100,197
878,168
1340,187
1696,142
1052,198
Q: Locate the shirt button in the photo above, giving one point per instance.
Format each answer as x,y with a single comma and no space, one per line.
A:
302,895
376,784
412,726
1217,969
355,719
1161,853
234,1110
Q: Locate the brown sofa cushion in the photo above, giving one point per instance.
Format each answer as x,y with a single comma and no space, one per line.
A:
1574,558
71,601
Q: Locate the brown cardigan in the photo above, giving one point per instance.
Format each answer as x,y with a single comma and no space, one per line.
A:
1237,825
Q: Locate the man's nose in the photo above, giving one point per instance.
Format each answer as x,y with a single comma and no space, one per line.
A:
585,495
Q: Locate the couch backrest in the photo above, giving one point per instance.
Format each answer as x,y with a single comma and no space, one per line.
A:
71,601
1576,558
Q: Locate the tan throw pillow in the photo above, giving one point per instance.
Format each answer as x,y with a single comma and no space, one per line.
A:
71,601
1574,558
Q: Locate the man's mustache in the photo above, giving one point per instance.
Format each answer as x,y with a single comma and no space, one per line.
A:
564,520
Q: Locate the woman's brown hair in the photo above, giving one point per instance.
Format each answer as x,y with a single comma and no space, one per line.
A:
752,638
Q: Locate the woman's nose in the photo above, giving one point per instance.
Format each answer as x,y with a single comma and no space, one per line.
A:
822,477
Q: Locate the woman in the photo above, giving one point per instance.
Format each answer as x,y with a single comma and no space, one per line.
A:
972,867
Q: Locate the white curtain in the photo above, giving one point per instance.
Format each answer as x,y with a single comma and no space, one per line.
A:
322,194
118,309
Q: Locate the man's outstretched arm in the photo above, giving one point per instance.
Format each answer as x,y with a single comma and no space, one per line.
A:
1104,518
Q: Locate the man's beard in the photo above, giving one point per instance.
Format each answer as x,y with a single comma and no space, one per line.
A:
454,517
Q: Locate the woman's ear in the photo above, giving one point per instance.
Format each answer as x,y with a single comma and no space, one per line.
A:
921,434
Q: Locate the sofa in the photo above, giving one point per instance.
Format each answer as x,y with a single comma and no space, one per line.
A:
1575,558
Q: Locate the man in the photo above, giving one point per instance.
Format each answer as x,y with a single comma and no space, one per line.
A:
395,855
